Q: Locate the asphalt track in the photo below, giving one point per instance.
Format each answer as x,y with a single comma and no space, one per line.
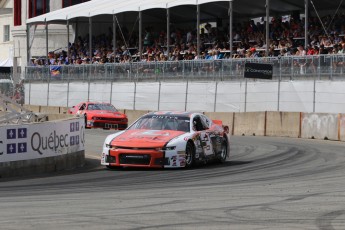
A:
267,183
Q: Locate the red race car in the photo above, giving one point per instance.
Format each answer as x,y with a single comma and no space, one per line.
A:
167,139
100,115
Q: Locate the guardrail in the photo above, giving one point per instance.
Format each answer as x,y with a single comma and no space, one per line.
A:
284,68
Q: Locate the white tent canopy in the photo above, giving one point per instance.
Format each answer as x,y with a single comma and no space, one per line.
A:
6,63
100,7
111,7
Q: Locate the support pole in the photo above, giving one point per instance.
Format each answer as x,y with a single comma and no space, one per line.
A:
168,31
230,28
114,36
197,29
140,35
267,26
28,48
306,23
46,27
68,52
245,96
90,38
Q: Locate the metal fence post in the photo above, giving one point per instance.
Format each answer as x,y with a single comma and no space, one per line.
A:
245,97
159,94
314,95
186,99
30,91
135,92
48,86
68,90
215,97
279,80
88,89
111,92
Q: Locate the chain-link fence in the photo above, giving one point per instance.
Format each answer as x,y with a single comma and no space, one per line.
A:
327,67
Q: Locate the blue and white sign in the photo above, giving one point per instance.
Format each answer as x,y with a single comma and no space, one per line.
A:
39,140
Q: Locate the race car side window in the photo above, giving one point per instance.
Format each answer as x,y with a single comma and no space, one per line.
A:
206,122
82,107
198,124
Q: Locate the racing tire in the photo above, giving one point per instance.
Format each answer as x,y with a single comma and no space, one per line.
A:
111,167
85,119
190,155
224,152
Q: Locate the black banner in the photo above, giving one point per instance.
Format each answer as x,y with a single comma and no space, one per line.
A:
258,70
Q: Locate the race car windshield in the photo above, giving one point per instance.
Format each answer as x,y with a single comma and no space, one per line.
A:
157,122
107,107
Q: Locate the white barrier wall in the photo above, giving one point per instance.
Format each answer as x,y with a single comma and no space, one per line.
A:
41,140
291,96
201,96
146,96
262,96
57,91
230,96
173,96
100,92
123,95
297,96
78,92
329,95
37,94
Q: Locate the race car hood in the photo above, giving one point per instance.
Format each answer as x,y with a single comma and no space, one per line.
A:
103,113
145,138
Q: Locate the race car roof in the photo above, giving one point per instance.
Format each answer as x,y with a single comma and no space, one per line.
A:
215,8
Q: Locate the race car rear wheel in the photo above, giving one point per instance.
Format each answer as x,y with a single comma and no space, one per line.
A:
190,153
224,152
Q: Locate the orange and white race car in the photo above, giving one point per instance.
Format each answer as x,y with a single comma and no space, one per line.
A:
100,115
167,140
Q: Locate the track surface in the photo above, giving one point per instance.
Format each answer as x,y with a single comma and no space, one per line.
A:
267,183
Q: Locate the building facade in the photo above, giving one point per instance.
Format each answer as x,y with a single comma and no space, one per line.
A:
6,24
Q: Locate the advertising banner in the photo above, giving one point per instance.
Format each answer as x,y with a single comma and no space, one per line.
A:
40,140
258,70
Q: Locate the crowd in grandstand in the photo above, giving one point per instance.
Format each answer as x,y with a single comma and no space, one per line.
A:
286,38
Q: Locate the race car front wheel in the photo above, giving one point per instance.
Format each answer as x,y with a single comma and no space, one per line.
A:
190,153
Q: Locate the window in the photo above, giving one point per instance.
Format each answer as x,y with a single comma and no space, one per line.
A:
67,3
17,12
38,7
6,33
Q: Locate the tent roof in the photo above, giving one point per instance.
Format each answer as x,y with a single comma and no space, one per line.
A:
6,63
240,7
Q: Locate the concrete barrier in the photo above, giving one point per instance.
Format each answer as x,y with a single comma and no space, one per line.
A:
50,109
283,124
133,115
64,110
251,123
320,126
53,117
341,127
42,165
33,108
227,118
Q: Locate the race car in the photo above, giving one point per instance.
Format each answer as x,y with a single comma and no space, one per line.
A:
100,115
166,139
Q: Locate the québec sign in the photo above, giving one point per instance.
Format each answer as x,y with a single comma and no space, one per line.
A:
31,141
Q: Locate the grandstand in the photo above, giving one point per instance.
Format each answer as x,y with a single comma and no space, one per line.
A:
187,30
205,40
